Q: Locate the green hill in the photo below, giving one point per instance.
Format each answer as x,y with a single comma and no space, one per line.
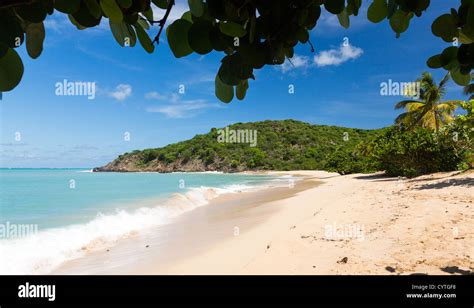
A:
280,145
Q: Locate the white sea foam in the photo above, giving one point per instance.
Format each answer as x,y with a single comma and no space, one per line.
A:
86,171
43,252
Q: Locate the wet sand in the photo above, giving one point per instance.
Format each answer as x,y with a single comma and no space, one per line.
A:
154,251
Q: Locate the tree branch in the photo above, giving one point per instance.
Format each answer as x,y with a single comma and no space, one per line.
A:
311,44
162,21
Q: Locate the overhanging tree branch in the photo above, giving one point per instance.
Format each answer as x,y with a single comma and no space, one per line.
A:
162,22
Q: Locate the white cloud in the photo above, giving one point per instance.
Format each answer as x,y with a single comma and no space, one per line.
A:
173,97
106,58
177,108
294,63
155,95
183,109
52,24
121,92
328,20
337,56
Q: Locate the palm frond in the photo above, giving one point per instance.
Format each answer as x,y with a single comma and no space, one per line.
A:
417,107
442,84
404,118
468,89
449,105
426,80
404,104
418,119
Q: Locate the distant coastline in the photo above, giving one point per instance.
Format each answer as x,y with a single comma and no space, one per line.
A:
282,145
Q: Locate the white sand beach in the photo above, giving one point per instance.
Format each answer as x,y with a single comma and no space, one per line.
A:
325,224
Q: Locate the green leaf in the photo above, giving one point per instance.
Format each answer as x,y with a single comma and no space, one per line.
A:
11,70
148,15
391,8
343,18
464,39
144,39
219,40
67,6
377,11
34,39
177,34
34,12
314,12
435,61
302,16
11,31
400,21
224,92
253,28
253,55
125,3
75,22
460,79
233,69
187,16
449,58
241,89
112,10
196,7
233,29
198,37
302,35
85,18
123,33
353,7
444,27
162,4
49,6
334,6
94,8
3,49
144,24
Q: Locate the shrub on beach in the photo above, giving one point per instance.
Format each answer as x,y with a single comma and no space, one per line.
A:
344,161
409,153
422,151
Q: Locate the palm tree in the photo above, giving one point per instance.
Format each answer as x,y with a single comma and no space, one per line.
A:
428,111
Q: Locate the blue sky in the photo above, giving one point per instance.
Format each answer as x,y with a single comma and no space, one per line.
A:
138,93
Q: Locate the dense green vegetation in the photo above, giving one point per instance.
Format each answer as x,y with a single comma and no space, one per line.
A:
418,149
408,153
294,145
250,34
421,151
282,145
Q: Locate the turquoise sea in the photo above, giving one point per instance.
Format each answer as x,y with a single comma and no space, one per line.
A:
72,208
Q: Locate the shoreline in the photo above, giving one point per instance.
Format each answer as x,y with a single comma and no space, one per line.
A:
189,234
408,226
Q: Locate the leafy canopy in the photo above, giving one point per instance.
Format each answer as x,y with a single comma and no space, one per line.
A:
250,33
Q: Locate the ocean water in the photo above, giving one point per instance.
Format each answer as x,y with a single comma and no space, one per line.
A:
48,216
